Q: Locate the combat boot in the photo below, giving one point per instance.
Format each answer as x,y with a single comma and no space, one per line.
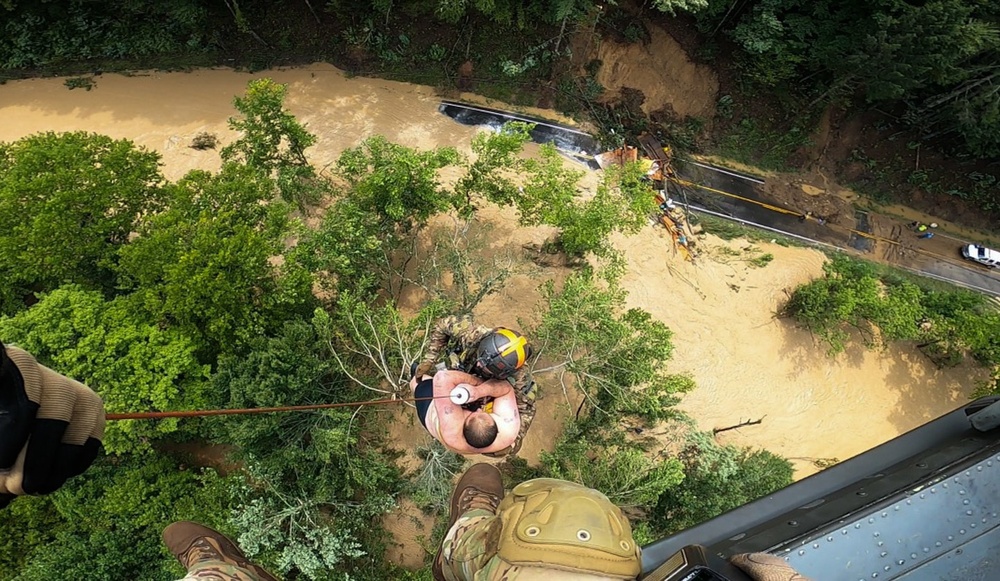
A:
193,543
481,487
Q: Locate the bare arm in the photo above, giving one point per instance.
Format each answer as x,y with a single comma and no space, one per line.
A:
508,420
450,418
447,380
495,388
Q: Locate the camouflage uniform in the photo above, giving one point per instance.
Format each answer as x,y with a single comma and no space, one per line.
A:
453,345
469,551
484,545
218,571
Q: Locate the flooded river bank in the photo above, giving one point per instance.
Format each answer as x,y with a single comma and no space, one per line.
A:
747,363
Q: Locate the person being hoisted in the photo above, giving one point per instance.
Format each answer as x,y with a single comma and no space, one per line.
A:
481,385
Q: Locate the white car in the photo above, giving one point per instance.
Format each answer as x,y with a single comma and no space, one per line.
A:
982,255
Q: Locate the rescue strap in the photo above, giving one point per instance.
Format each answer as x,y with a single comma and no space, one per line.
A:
268,410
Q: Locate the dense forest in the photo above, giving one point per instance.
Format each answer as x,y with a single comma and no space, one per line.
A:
210,292
925,73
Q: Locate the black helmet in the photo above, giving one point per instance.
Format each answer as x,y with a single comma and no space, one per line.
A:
501,353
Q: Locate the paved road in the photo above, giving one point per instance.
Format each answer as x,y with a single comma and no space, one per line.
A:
954,270
581,146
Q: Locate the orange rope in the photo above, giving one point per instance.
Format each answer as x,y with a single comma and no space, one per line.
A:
246,411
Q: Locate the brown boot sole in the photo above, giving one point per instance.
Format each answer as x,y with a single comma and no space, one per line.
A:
485,477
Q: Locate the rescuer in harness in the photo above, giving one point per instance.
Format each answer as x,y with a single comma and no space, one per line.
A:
493,355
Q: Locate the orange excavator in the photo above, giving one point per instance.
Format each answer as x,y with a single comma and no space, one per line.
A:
659,171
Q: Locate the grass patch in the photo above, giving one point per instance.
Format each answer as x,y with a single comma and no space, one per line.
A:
761,261
730,230
751,143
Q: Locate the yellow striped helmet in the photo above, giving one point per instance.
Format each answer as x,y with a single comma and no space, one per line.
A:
501,353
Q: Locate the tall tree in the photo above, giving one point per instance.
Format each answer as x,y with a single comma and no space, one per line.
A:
398,184
68,202
272,140
206,263
320,484
617,356
718,478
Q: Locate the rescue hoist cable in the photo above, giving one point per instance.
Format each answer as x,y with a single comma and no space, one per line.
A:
267,410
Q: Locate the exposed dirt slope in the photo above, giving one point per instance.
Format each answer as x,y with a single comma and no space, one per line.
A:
662,71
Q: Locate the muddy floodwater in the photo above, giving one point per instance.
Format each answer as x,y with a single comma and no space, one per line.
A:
748,364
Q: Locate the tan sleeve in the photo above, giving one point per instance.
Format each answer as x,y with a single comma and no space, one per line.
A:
58,396
766,567
30,371
88,415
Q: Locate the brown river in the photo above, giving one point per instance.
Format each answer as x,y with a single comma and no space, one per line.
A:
747,364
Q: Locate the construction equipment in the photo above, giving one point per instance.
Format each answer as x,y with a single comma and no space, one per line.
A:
660,172
674,219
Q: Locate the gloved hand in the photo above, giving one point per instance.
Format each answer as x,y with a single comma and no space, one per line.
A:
425,367
765,567
50,426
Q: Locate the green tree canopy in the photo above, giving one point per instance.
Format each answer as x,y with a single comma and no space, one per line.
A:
544,190
936,59
206,263
108,524
320,482
273,141
853,295
718,478
271,137
884,306
391,191
68,201
630,477
45,34
617,356
397,184
133,364
491,174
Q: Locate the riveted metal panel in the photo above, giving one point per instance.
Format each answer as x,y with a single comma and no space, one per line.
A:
945,523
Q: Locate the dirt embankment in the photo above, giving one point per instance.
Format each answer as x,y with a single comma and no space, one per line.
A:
667,77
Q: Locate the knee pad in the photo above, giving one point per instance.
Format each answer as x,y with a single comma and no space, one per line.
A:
556,524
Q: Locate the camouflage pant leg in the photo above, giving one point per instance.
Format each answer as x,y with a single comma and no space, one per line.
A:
218,571
526,410
453,333
468,552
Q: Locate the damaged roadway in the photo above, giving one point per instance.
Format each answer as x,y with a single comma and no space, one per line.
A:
875,236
